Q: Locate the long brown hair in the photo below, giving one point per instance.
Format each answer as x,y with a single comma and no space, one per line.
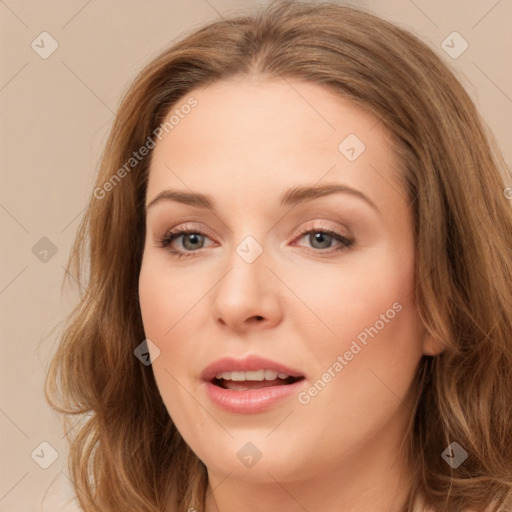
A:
126,454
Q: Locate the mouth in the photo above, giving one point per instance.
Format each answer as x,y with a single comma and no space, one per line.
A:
250,385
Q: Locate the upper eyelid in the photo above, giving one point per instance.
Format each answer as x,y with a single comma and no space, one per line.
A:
188,226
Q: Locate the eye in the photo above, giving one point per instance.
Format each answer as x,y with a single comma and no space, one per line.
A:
192,240
321,238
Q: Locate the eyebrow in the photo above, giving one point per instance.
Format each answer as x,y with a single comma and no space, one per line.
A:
291,197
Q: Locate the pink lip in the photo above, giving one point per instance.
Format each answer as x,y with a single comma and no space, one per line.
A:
251,400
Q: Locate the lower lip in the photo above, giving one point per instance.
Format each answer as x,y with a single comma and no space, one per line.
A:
252,400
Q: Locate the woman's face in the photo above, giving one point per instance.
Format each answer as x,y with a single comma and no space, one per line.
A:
301,303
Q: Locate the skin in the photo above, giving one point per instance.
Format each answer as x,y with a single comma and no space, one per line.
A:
247,141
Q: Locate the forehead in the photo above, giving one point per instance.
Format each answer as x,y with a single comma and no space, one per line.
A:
253,136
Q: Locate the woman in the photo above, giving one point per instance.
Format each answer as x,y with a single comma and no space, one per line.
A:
299,293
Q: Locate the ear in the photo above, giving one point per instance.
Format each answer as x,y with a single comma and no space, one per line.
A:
431,346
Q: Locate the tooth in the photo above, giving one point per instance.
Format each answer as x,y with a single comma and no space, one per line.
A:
256,375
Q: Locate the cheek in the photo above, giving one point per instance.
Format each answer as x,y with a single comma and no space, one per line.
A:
168,297
375,346
365,290
366,314
166,301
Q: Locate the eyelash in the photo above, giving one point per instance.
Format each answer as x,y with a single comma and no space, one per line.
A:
167,238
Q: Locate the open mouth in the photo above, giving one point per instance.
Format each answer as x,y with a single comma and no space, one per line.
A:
243,381
250,385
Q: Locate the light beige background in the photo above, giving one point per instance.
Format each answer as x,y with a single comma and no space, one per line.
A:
55,114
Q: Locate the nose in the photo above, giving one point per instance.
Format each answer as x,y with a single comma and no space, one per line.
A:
247,296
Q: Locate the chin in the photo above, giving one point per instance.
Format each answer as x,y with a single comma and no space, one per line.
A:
251,457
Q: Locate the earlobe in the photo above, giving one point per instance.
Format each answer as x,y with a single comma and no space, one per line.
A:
431,346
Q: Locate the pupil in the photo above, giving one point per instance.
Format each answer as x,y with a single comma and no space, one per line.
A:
318,237
194,238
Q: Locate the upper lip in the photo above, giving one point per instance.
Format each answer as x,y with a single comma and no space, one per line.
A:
247,364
